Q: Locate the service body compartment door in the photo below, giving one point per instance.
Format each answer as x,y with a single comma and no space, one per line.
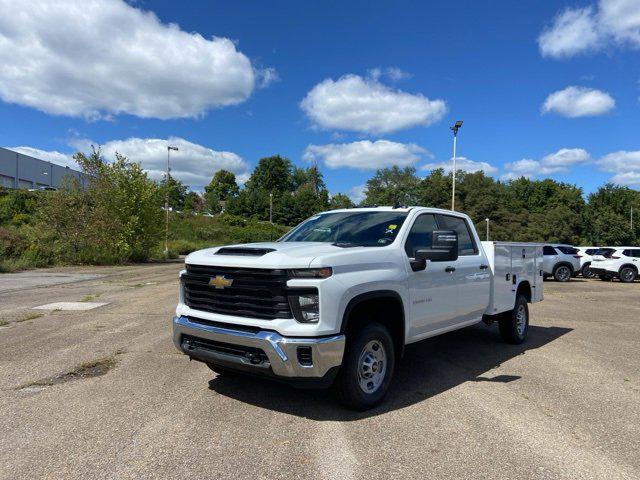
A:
502,286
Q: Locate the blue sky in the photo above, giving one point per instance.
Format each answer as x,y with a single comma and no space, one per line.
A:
396,75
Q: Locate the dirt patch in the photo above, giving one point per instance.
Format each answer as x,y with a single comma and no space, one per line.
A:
95,368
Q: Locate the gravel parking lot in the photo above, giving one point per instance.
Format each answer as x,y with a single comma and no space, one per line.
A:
103,393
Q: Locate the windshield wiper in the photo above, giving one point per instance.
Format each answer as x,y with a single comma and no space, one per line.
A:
346,244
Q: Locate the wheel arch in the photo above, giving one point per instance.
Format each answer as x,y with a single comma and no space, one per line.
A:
378,301
524,288
629,265
563,264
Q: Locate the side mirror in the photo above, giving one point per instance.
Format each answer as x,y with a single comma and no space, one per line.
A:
444,247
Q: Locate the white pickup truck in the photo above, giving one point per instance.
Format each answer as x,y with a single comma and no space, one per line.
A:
336,299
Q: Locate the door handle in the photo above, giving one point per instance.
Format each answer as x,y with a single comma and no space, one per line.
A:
450,269
484,267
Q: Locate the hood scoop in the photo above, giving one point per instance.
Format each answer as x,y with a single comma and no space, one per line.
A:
244,251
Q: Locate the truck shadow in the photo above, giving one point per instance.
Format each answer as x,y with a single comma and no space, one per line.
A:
428,368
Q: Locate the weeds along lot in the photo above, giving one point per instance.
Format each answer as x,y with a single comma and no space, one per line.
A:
42,229
105,394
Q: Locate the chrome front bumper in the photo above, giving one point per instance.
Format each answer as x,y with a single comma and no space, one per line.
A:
282,352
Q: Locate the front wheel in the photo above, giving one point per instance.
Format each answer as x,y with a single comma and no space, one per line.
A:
514,325
367,367
628,275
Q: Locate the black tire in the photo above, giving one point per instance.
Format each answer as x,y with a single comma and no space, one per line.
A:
628,274
562,273
586,271
349,379
511,328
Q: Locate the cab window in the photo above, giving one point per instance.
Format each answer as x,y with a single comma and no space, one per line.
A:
466,243
420,234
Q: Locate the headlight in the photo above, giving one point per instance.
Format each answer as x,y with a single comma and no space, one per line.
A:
305,307
311,272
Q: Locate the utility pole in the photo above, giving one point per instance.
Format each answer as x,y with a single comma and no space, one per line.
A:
487,220
632,230
454,129
270,207
166,201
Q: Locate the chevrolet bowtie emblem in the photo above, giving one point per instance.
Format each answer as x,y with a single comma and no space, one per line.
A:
220,282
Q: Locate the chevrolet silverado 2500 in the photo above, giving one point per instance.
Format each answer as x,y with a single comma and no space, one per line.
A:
336,299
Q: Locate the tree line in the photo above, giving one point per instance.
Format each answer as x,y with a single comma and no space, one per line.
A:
518,210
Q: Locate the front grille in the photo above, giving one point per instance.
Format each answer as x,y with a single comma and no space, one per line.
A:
255,292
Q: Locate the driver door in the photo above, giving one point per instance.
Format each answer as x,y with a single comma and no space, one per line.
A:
432,291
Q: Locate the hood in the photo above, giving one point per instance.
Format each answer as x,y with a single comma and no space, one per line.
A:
263,254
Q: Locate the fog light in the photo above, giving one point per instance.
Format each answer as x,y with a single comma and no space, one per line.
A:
305,307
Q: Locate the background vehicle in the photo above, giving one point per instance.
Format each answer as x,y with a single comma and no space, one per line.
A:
586,257
622,263
338,297
561,261
600,255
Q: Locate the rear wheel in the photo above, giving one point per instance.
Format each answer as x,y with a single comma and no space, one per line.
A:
628,275
562,273
586,271
367,368
514,325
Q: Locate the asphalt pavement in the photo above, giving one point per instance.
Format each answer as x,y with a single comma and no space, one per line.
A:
103,394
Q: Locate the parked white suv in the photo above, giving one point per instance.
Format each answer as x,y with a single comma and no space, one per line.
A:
561,262
339,296
622,263
586,258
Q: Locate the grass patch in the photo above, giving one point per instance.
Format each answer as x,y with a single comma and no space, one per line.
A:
29,316
95,368
87,298
3,323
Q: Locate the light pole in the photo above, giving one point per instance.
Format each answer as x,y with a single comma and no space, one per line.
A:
270,207
487,220
454,129
166,201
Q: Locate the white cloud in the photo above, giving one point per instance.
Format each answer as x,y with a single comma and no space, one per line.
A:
624,164
462,163
394,74
192,164
100,58
581,30
64,159
631,179
365,105
267,76
357,194
365,155
575,102
557,162
573,31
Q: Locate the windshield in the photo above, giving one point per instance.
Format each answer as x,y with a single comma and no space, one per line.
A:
349,229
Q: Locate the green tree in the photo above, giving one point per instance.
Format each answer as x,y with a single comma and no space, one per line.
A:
193,202
340,200
176,190
391,186
222,188
607,217
272,174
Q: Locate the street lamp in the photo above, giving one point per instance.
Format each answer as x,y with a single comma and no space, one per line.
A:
270,207
166,201
487,220
454,129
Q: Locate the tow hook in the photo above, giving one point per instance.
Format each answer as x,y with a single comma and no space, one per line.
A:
253,358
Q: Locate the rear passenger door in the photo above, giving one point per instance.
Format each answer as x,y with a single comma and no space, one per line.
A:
471,273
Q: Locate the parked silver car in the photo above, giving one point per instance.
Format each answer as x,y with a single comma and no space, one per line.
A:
560,261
